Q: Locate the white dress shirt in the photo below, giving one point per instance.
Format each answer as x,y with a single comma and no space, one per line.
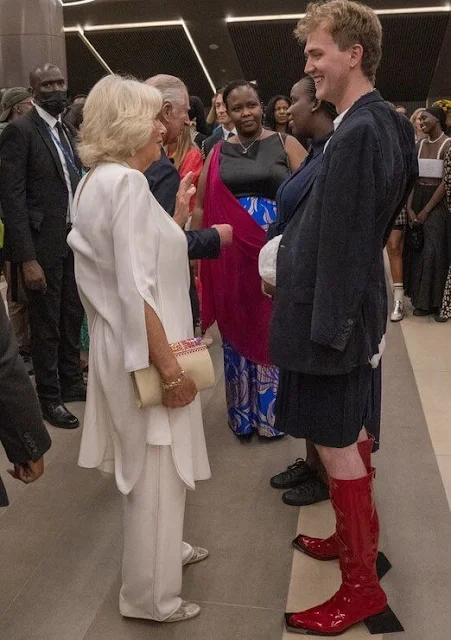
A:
226,133
51,122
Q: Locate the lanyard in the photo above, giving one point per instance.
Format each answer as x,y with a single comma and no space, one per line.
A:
64,151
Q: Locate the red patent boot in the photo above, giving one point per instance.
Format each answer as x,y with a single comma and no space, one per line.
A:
327,548
360,596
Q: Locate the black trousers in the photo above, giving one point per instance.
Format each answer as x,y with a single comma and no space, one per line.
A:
55,323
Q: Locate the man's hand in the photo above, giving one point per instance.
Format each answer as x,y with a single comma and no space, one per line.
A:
33,276
268,290
186,191
225,233
29,471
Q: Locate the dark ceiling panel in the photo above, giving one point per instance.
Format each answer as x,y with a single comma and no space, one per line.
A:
148,51
83,69
411,47
269,53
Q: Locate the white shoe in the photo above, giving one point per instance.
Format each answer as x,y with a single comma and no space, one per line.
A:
398,312
199,554
186,611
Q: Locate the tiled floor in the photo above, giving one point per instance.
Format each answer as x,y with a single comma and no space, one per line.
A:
61,538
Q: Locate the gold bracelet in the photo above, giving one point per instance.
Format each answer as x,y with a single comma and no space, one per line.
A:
168,386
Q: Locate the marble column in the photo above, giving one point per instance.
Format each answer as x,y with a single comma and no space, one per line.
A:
31,32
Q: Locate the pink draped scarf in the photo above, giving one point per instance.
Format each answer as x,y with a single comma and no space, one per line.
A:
231,285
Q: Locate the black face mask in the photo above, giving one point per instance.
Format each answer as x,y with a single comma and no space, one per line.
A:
54,102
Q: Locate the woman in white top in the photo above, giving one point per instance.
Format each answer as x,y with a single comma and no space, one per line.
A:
426,269
131,267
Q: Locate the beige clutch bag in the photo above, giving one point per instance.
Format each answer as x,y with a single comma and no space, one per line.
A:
194,359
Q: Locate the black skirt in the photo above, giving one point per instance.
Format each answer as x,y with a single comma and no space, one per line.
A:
329,410
425,271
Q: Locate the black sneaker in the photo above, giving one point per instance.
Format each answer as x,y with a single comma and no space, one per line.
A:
312,491
295,474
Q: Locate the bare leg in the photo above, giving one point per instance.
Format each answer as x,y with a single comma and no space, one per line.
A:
395,247
346,463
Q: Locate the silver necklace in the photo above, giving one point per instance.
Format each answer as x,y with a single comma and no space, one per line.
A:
437,139
246,149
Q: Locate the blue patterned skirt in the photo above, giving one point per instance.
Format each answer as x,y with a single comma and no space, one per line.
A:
251,388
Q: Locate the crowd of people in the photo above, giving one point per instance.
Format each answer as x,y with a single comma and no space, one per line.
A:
134,209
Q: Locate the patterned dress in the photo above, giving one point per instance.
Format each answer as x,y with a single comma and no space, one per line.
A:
253,178
251,388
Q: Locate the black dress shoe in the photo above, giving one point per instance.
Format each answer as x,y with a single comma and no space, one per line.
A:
312,491
56,414
75,393
295,474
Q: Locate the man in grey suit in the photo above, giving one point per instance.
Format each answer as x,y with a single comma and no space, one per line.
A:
22,431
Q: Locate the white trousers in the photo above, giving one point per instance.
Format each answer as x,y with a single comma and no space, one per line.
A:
153,549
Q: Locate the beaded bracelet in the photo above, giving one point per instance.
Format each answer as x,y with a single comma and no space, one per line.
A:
168,386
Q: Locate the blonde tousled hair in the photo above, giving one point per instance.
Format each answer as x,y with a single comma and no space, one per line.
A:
118,119
349,23
184,144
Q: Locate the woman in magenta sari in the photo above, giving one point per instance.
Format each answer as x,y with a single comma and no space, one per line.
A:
238,185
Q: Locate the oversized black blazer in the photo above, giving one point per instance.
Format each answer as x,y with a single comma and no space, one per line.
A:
33,191
22,431
330,307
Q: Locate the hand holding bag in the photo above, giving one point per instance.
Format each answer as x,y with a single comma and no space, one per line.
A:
192,356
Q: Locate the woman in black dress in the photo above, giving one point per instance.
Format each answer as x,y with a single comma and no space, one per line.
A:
426,269
239,183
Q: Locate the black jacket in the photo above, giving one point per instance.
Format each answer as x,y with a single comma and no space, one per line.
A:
22,431
164,182
33,192
330,308
209,143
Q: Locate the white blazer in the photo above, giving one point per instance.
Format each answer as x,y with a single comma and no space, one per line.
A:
129,250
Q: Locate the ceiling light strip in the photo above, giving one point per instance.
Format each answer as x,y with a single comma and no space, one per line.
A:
297,16
143,25
198,56
131,25
74,4
94,51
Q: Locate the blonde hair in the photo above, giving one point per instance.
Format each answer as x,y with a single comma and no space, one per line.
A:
118,119
349,23
184,144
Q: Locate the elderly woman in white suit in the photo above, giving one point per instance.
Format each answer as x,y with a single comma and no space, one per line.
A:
133,277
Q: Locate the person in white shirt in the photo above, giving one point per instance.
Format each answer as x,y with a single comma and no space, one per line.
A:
225,129
133,277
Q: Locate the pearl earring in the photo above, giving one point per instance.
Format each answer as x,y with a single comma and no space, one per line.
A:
133,152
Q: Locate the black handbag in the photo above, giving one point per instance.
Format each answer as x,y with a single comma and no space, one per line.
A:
416,236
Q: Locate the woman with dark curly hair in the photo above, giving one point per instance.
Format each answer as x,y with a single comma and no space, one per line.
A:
276,114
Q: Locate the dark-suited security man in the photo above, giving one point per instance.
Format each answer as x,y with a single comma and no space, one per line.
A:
39,172
22,432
